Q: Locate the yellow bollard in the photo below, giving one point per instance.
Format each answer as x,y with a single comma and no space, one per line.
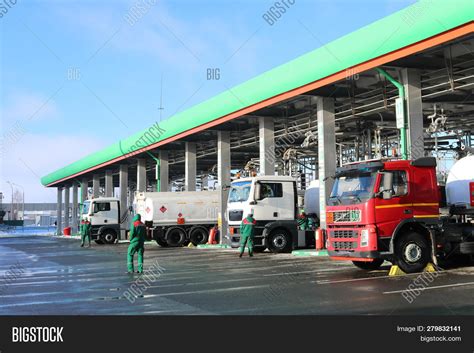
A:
430,268
397,271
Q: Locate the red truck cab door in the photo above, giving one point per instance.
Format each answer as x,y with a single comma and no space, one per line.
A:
426,196
390,213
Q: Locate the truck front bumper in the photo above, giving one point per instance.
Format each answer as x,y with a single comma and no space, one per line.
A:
353,243
355,255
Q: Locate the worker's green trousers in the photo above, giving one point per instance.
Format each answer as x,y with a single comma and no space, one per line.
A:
84,237
132,249
246,240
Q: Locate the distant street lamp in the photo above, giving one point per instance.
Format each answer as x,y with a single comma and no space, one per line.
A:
23,200
11,205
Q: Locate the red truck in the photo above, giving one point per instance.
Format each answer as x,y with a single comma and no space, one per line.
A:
390,210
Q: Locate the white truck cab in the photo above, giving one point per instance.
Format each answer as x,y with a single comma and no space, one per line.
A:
273,202
104,215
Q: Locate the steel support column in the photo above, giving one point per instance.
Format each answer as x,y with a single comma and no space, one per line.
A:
414,106
190,166
141,175
223,179
326,152
74,208
59,212
267,145
95,185
66,206
123,186
84,190
163,174
109,184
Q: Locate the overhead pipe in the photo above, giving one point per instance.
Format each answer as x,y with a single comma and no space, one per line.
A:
157,160
401,95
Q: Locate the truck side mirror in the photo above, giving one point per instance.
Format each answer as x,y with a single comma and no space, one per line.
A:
387,186
258,191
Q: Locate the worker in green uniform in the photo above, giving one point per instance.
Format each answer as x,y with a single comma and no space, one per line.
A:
247,231
81,225
85,232
303,221
137,243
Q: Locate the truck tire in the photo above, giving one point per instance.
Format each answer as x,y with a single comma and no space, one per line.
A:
466,248
279,241
412,252
368,266
109,236
161,242
198,235
175,236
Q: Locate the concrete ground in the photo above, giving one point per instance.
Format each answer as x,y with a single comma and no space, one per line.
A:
56,276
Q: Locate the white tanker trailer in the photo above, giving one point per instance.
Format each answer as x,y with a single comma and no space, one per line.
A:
455,233
460,186
173,218
178,217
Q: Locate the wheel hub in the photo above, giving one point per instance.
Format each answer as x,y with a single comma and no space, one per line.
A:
279,241
412,252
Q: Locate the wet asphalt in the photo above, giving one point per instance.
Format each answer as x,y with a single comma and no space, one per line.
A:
54,276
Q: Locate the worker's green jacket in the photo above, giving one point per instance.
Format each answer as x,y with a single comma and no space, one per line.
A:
137,231
247,227
86,228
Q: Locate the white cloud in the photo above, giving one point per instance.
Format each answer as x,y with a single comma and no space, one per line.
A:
107,25
37,155
190,46
27,106
27,156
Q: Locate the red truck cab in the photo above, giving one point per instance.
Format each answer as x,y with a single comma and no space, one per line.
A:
384,210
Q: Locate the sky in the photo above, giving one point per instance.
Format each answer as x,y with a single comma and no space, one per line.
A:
77,76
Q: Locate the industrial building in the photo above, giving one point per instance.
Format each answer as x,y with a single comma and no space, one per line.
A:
399,87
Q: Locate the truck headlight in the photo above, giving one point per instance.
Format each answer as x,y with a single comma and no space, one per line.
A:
364,237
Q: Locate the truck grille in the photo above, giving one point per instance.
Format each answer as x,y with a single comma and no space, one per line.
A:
346,216
348,233
344,245
235,215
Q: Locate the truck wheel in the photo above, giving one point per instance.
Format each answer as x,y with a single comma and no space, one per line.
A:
175,236
368,266
109,237
161,242
279,241
198,235
412,252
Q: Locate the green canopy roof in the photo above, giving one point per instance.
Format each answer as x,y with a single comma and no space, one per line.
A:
415,23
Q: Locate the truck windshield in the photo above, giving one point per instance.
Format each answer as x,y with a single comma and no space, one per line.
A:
85,207
352,187
239,191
